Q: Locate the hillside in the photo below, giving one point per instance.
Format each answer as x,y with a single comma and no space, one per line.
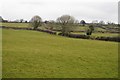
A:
36,54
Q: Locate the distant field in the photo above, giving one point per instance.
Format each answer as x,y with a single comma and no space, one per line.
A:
79,28
106,34
31,54
15,24
84,28
99,34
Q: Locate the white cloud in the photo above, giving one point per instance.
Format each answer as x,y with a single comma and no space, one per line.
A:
51,9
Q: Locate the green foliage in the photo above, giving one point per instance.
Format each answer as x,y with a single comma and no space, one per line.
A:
31,54
35,22
90,30
65,29
82,22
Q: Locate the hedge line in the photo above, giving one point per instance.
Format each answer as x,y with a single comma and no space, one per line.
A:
22,28
116,39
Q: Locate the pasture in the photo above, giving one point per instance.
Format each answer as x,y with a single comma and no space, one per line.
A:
15,24
0,53
32,54
79,28
99,34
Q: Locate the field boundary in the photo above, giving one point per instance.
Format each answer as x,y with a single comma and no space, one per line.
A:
115,39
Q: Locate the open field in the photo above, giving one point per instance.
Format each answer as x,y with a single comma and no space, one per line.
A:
83,28
15,24
99,34
32,54
106,34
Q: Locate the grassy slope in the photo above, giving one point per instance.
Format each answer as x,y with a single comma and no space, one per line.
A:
37,54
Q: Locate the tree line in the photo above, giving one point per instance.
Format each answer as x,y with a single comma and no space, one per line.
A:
66,21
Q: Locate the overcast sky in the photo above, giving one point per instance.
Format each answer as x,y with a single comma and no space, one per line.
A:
87,10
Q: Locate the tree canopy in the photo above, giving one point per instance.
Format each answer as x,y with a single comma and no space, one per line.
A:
35,21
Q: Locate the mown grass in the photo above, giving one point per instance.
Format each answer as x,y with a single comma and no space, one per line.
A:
31,54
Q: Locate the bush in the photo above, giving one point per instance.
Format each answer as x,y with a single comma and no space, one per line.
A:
35,22
90,30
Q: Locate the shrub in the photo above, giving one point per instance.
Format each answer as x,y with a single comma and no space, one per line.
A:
90,30
35,22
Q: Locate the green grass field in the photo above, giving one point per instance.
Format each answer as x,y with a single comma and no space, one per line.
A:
15,24
83,28
99,34
31,54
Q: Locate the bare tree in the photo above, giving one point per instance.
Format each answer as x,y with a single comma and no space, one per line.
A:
102,22
21,20
95,21
77,21
36,22
51,21
66,21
